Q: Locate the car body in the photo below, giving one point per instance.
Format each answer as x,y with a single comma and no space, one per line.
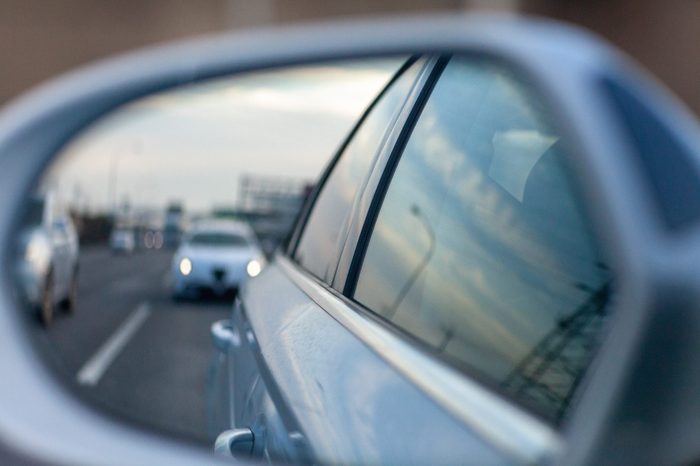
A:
122,240
443,268
49,269
215,256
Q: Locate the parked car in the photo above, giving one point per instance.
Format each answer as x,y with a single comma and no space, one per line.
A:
215,256
48,272
122,240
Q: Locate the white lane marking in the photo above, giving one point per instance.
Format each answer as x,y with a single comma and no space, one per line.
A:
95,367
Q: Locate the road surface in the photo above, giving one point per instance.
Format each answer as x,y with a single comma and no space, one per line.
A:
132,350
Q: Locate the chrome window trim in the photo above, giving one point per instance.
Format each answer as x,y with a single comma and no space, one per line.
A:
516,433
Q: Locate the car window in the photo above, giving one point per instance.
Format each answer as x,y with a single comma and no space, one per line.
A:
481,249
318,246
217,239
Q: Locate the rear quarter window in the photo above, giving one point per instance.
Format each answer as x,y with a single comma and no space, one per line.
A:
320,242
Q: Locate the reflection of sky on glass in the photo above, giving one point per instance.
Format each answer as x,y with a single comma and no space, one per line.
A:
319,244
192,144
483,176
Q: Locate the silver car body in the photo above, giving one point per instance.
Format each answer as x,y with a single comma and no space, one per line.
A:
50,249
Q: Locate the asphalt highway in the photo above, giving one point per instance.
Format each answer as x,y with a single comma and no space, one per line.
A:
129,349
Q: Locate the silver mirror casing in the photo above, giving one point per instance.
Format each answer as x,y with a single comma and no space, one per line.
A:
42,420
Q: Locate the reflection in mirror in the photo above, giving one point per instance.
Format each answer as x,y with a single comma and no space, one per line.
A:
146,225
448,213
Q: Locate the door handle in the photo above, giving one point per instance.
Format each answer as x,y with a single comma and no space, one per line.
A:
237,443
223,335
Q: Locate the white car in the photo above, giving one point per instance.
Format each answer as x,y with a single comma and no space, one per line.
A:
48,270
215,256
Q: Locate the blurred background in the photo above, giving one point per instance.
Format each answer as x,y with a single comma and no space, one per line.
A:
154,172
39,39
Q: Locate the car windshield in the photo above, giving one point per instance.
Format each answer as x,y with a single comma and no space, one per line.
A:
212,238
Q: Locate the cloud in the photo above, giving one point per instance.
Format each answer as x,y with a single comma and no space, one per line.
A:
193,143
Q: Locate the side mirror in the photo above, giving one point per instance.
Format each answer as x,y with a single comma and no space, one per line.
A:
224,336
631,152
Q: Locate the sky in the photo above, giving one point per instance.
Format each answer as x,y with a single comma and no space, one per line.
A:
192,144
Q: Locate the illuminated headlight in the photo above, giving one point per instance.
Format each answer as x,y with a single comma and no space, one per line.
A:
185,266
37,254
253,268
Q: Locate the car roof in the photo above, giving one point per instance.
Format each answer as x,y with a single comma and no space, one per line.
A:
222,226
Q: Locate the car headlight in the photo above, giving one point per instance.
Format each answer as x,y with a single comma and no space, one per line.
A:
185,266
37,254
253,268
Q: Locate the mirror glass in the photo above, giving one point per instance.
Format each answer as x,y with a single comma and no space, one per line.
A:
214,172
182,262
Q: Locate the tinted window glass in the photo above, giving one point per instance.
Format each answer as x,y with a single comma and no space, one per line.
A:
480,248
319,244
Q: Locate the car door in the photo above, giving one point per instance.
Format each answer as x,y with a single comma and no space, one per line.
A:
454,296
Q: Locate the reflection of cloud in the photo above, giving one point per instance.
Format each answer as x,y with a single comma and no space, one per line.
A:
515,153
201,162
334,90
505,269
469,286
193,143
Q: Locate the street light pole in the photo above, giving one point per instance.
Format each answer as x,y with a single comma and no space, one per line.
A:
415,211
113,172
113,185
